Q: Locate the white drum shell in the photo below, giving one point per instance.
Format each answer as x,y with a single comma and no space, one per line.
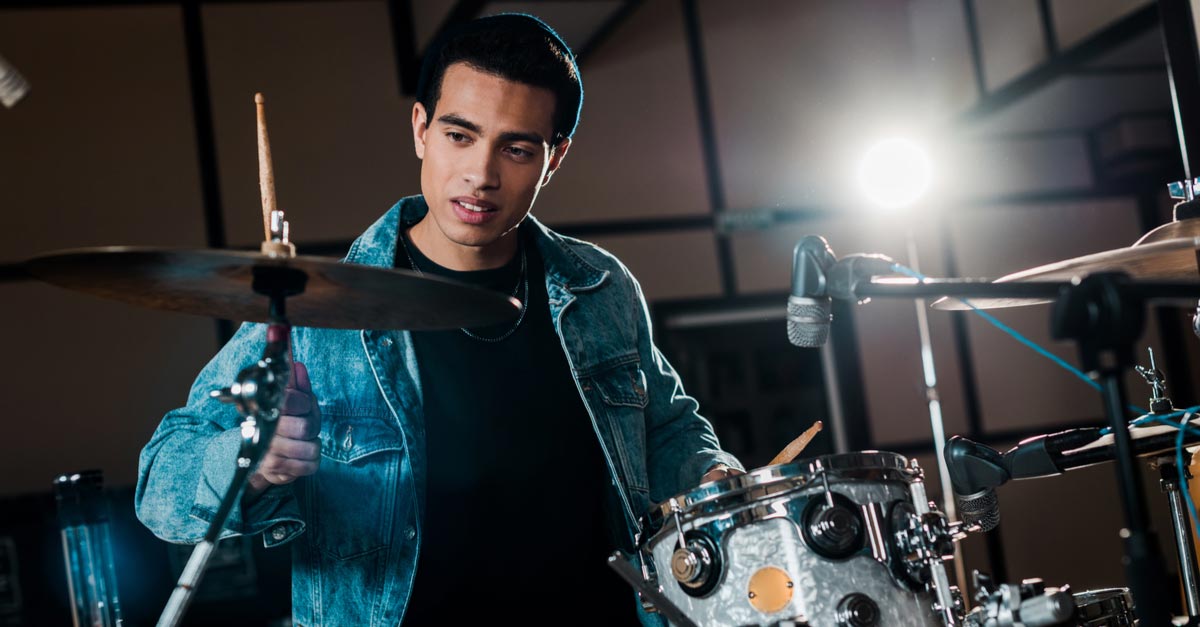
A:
767,533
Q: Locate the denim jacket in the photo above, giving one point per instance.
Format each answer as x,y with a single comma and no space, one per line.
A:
355,526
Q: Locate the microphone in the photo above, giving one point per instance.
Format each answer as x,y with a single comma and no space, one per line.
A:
817,278
977,470
975,473
13,86
809,308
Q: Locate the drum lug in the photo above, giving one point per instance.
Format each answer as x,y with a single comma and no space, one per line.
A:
938,537
697,564
691,564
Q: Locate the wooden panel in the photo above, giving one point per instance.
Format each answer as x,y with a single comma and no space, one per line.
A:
1079,102
575,22
670,265
1076,21
341,138
101,152
1011,40
942,55
93,381
637,151
428,16
988,168
798,91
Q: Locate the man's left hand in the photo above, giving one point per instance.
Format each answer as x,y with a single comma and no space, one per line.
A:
720,472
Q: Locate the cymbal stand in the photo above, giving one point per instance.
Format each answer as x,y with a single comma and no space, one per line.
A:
257,393
1106,320
1174,484
1181,524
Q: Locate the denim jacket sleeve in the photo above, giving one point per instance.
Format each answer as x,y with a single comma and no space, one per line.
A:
190,460
680,444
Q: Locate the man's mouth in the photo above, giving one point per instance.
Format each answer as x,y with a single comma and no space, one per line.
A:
473,205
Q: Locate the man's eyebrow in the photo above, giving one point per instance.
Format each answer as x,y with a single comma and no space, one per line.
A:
454,119
457,120
516,136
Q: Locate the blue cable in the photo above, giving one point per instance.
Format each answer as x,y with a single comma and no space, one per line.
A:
1182,426
1164,418
1018,337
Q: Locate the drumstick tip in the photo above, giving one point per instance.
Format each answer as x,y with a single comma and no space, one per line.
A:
258,97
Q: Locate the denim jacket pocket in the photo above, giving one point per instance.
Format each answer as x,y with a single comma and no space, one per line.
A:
623,385
622,392
353,494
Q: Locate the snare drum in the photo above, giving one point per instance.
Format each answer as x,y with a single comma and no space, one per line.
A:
819,542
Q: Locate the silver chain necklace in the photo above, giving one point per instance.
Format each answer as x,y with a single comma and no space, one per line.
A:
522,279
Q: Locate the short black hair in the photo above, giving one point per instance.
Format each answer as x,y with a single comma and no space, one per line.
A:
512,46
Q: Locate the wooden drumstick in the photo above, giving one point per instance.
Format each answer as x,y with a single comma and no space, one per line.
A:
266,171
793,450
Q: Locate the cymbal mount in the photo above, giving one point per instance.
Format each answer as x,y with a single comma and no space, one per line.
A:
1106,318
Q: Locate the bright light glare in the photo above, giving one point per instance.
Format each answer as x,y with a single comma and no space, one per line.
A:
894,173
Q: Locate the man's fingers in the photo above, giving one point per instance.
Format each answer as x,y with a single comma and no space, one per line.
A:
303,450
298,427
300,378
275,468
296,403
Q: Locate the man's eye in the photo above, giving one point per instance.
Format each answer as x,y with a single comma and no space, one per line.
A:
519,152
456,137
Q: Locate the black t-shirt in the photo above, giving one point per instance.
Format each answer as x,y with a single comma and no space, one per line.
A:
514,523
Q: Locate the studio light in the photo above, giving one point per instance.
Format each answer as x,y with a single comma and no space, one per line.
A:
894,173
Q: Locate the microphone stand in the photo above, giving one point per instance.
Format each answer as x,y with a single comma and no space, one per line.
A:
258,393
934,405
1104,314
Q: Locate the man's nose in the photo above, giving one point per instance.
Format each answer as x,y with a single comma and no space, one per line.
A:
482,169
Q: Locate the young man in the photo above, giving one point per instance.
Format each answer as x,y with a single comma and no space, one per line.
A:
471,474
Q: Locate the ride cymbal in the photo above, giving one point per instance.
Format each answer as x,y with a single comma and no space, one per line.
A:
1170,252
219,284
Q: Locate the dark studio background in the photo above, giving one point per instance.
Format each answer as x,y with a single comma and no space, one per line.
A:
714,136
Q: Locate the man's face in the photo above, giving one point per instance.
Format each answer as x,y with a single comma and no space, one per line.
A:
484,157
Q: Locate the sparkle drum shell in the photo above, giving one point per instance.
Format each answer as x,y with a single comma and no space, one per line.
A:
812,541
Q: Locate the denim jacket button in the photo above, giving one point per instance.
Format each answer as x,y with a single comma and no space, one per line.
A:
279,533
410,533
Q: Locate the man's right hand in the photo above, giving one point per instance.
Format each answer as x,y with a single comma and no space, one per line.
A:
295,450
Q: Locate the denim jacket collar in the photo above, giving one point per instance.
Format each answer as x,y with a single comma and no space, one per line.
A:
564,267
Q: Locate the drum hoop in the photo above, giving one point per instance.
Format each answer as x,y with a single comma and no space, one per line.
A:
1102,602
800,474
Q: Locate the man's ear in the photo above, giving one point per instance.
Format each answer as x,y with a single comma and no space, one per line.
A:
556,158
420,125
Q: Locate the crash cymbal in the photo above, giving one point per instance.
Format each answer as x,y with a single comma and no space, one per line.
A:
1168,253
218,284
1179,229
